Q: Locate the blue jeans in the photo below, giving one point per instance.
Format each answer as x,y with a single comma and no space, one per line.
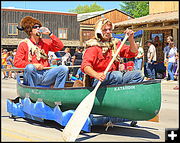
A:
117,77
170,70
56,76
150,68
138,64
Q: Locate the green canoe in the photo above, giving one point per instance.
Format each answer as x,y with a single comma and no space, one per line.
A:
139,101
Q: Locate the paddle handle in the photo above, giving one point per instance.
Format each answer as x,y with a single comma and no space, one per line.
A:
115,55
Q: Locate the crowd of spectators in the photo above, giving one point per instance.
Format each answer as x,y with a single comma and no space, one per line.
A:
75,73
7,58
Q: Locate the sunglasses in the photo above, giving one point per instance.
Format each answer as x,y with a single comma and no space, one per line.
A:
106,30
36,26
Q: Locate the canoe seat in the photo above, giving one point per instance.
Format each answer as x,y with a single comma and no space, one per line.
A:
69,84
45,86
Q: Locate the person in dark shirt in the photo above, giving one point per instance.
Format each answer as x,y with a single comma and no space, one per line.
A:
77,59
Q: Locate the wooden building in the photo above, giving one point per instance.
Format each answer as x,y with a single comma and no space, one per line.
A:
163,21
163,6
88,20
64,25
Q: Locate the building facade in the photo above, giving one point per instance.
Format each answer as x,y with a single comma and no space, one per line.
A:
162,21
64,25
163,6
88,20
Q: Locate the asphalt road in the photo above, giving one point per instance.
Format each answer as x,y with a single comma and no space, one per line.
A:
22,130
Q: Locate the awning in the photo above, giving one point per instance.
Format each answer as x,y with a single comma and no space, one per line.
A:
158,21
121,36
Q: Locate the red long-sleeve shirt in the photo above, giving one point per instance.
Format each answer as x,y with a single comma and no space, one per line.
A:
21,57
94,58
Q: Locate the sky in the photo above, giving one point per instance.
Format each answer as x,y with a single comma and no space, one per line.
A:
59,6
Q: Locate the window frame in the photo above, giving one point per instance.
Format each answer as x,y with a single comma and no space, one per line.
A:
66,33
12,24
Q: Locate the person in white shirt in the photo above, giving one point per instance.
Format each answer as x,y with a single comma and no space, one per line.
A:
171,60
151,59
139,58
177,72
166,51
51,57
67,57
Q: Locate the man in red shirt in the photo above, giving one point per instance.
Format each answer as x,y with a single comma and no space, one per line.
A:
32,54
100,51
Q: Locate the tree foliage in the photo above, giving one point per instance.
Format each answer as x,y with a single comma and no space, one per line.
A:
87,8
135,8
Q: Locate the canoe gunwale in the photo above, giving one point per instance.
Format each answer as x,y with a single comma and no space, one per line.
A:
90,88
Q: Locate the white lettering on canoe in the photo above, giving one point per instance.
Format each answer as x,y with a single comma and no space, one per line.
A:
124,88
35,91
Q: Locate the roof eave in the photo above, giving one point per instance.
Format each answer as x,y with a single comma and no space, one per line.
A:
104,13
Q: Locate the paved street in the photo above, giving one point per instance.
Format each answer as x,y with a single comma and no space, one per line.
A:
24,130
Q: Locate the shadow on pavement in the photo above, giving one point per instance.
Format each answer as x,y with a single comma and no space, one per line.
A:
45,123
121,131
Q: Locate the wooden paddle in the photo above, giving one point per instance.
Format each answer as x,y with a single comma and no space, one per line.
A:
45,68
79,117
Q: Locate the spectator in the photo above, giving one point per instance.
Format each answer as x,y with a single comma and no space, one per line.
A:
66,59
129,66
9,61
4,62
14,52
124,67
14,73
79,74
157,42
77,59
139,58
50,59
177,72
171,60
166,52
151,57
54,63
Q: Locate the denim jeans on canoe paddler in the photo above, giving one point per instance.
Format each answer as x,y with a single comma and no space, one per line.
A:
56,76
117,77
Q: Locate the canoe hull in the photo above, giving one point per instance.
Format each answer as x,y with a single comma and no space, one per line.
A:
140,101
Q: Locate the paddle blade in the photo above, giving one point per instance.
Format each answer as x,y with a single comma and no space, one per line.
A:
155,119
79,117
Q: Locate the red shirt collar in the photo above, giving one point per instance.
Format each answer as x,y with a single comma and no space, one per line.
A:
40,40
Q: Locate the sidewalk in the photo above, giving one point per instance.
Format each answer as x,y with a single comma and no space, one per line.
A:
169,84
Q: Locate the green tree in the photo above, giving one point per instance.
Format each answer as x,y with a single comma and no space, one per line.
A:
87,8
135,8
